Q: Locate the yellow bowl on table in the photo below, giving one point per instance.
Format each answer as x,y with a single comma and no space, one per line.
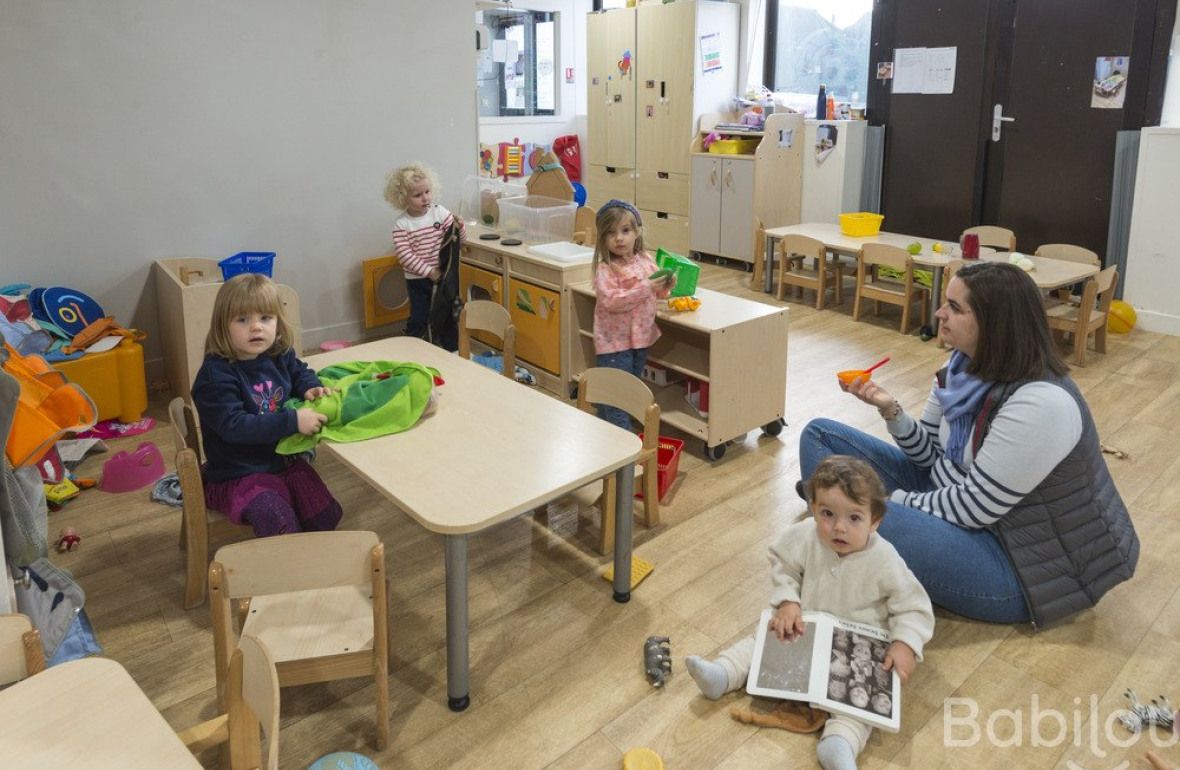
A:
861,224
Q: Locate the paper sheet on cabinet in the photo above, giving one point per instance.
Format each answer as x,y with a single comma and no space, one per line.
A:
909,70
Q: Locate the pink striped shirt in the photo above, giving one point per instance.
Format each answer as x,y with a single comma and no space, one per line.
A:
625,314
418,239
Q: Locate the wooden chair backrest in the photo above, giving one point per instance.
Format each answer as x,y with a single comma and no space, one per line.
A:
487,316
1098,292
260,691
884,254
622,390
994,236
1069,253
21,654
801,245
296,562
184,425
948,273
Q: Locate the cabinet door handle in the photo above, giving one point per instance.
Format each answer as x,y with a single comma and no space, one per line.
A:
713,174
729,177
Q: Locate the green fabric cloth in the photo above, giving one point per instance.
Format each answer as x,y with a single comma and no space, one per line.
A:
921,277
372,398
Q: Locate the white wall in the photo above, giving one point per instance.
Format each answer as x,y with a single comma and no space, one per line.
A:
135,130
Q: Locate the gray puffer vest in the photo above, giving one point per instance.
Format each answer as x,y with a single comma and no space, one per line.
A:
1071,538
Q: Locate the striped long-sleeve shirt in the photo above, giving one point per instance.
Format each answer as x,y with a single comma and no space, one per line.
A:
418,239
1031,433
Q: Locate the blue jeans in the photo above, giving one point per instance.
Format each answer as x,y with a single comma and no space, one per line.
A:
964,570
419,291
629,361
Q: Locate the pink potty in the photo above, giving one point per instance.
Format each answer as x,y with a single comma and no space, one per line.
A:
127,471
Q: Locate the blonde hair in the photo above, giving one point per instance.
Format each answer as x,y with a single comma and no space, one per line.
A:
244,294
609,217
855,478
399,182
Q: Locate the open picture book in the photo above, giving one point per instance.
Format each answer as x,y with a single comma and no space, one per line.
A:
835,664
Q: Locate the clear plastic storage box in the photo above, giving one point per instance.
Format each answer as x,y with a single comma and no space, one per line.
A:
537,218
481,196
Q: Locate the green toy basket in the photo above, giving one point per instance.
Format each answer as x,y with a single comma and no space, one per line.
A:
686,271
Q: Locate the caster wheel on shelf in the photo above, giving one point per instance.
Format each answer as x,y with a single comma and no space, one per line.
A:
715,452
774,428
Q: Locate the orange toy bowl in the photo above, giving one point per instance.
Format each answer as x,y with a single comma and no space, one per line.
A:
849,376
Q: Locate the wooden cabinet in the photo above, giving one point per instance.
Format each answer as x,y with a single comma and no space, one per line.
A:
531,287
732,195
642,117
185,290
736,346
832,184
722,199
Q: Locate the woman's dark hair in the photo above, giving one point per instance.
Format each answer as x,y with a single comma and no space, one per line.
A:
1014,340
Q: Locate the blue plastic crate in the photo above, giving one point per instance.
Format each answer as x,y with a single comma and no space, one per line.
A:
248,262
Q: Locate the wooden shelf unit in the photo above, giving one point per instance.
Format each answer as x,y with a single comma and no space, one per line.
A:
732,195
737,346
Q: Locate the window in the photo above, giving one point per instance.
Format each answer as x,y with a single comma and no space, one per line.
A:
516,73
809,42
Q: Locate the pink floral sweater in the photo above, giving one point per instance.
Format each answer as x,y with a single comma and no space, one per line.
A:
625,314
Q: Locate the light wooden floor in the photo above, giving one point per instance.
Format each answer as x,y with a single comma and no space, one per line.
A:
556,668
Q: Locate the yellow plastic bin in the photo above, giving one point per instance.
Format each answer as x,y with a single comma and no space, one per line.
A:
861,223
114,380
744,146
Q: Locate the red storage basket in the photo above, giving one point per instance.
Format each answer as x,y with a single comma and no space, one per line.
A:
667,462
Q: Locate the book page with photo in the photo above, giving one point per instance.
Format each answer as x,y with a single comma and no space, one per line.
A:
835,665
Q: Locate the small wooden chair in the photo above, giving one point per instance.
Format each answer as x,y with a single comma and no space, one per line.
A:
1069,253
482,315
252,702
870,286
198,524
614,387
319,602
21,653
991,235
795,250
1088,317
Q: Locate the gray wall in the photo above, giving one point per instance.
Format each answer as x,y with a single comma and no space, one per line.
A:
135,130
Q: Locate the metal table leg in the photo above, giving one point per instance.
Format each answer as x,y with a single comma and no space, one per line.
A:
624,520
458,695
931,329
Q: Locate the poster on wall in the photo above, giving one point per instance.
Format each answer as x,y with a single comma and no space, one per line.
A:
1110,82
711,52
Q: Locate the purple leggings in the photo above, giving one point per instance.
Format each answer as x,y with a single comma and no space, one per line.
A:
293,500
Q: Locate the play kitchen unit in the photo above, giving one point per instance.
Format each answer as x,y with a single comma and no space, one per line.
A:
720,371
529,280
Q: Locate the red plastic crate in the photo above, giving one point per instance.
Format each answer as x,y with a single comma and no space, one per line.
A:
667,462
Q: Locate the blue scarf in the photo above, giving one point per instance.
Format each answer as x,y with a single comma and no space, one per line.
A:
960,398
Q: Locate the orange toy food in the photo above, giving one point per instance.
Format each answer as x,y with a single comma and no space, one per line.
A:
683,304
849,376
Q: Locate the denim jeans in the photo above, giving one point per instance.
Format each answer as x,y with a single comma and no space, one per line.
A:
964,570
419,291
629,361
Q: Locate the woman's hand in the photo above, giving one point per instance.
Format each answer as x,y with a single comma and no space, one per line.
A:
313,393
900,658
310,421
869,392
787,623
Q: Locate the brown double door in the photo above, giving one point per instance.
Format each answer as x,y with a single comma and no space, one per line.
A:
1049,174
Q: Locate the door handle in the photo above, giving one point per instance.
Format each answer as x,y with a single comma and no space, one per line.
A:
998,118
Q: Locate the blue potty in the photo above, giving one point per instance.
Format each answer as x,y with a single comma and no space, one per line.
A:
343,760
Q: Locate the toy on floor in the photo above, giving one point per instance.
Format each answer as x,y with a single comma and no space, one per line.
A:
657,660
794,716
642,759
640,569
67,539
1159,712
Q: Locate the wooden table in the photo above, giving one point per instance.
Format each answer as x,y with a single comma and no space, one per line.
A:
1048,273
86,713
492,450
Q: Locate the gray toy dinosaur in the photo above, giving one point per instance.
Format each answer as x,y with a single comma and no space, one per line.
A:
657,660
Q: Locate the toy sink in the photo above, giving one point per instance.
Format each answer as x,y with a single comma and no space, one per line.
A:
563,251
